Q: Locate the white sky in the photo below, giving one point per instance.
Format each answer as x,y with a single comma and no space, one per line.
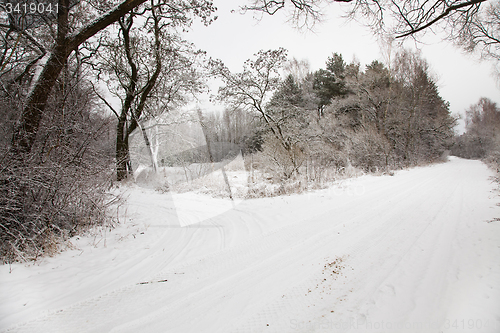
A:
233,38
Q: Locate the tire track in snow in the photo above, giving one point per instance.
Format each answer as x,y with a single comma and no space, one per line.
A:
267,242
260,244
276,324
384,291
282,253
433,247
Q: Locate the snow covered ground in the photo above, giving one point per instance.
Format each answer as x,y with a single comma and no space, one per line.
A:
409,253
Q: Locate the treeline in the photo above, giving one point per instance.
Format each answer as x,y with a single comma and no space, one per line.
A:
293,122
481,139
373,118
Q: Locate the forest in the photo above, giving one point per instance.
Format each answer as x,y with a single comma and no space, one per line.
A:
99,89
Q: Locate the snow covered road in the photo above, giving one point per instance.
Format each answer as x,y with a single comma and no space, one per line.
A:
408,253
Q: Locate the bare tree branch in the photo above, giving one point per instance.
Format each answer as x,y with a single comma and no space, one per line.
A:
426,19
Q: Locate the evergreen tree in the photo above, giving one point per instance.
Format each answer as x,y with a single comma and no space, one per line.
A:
330,82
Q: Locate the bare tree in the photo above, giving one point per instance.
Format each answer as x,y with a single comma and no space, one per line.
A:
148,75
299,69
425,116
301,13
207,135
480,31
482,136
410,16
253,88
232,125
68,38
259,89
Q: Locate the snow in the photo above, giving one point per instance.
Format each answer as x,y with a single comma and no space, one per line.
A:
39,66
414,252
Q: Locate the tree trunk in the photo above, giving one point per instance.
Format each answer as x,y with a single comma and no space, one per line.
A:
122,156
154,162
122,152
26,129
210,156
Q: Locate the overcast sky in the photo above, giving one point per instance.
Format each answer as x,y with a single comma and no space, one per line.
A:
233,38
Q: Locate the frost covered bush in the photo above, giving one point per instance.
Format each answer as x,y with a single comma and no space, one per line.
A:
59,187
43,202
282,163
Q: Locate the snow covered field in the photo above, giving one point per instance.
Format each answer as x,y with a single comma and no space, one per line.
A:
409,253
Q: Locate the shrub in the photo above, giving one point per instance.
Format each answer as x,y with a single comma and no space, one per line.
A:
60,186
44,203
